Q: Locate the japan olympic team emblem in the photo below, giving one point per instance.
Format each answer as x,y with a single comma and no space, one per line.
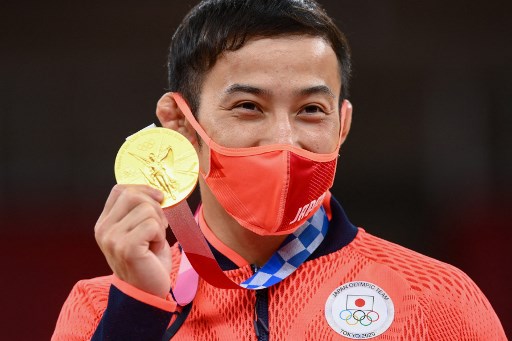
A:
359,310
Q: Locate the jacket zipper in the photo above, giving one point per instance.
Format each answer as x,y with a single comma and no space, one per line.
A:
261,312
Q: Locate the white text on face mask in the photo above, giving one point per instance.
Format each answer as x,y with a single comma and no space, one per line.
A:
306,209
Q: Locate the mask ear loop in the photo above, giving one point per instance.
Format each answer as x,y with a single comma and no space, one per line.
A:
190,117
343,115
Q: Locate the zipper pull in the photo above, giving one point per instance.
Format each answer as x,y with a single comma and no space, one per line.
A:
257,321
255,268
256,329
261,298
260,323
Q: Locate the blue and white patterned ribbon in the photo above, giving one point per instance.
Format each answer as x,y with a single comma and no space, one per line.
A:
294,251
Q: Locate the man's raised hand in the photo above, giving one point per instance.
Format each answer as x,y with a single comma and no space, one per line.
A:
131,234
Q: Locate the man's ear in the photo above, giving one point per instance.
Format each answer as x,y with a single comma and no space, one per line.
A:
171,117
346,119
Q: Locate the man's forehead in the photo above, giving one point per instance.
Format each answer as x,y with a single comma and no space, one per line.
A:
282,42
279,53
274,50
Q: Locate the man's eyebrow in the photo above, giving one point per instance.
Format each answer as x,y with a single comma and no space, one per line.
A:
315,90
244,88
234,88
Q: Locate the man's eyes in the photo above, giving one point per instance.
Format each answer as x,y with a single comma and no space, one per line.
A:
247,106
251,109
312,109
247,111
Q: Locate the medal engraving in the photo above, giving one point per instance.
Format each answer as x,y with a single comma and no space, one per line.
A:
161,158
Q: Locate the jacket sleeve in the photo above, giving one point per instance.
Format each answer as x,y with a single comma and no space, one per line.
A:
128,319
107,308
478,320
82,310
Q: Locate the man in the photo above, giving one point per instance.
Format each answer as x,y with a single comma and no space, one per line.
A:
260,90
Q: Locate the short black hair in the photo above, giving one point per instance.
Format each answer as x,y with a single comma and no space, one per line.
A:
215,26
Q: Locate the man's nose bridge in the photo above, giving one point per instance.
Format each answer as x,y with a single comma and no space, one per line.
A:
284,132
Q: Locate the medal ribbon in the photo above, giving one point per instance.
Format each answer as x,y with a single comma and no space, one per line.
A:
198,259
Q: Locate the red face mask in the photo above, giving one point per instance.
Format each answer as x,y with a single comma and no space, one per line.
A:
271,189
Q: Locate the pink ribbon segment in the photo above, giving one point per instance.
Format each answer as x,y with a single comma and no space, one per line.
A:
187,232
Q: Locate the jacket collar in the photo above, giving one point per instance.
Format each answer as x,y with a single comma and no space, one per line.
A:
341,233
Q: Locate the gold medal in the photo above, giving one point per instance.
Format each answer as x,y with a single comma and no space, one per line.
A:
161,158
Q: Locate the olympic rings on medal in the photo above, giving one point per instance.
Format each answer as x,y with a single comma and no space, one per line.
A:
365,318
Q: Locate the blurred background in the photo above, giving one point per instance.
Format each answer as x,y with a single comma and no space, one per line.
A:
427,165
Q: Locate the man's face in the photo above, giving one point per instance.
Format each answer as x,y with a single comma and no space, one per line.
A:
282,90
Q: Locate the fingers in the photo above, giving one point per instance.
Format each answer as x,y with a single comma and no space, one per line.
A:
129,246
119,190
131,234
139,214
124,198
127,208
151,231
